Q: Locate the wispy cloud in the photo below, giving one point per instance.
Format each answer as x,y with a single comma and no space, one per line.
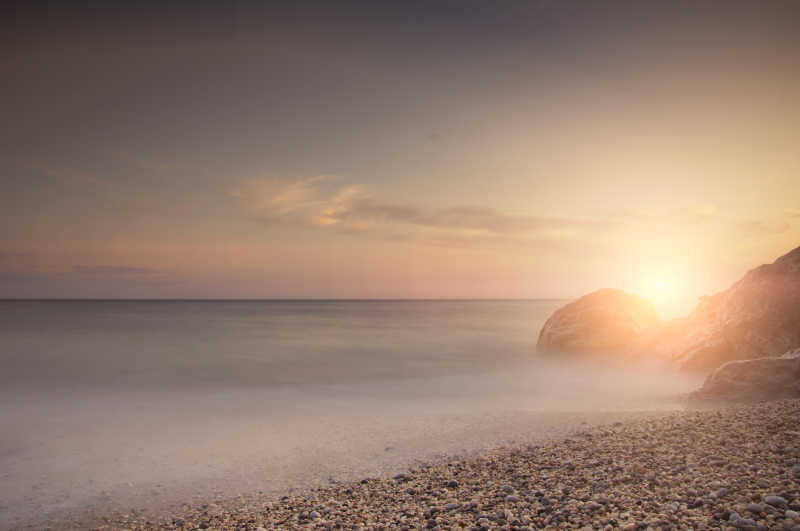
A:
283,199
325,203
792,212
87,278
351,208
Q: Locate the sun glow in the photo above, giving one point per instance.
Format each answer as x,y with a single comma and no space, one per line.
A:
660,289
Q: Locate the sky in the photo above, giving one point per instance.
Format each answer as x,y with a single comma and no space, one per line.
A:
466,149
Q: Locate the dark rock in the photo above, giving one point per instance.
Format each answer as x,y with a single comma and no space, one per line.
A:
604,321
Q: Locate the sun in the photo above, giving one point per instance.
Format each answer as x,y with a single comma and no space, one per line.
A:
659,287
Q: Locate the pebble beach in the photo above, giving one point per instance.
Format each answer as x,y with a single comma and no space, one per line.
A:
732,468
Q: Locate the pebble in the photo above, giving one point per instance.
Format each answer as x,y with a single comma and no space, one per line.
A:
776,501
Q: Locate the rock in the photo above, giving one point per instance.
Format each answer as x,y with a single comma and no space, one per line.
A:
754,507
592,506
776,501
605,321
757,317
452,484
752,380
791,514
671,507
451,506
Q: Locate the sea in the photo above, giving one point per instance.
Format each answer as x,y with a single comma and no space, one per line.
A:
143,405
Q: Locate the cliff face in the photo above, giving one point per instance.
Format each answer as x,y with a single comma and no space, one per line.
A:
604,321
758,316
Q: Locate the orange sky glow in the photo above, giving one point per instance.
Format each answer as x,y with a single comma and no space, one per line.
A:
520,150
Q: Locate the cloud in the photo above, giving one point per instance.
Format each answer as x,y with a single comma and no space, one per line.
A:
792,212
350,208
84,281
280,199
15,261
119,271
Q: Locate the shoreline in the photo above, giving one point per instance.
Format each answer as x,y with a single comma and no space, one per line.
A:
700,469
482,434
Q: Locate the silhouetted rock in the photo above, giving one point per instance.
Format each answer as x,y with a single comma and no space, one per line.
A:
757,317
752,380
604,321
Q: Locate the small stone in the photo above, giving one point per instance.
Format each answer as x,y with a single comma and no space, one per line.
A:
754,507
672,507
791,514
508,488
592,506
512,499
776,501
452,484
451,506
313,514
744,523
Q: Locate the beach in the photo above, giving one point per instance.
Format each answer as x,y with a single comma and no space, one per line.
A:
734,468
370,266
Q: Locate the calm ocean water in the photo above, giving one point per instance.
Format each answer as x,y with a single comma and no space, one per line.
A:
169,344
121,405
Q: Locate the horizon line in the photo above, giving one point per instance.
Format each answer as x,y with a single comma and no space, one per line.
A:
282,299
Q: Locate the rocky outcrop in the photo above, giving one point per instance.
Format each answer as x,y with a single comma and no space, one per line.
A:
758,316
605,321
752,380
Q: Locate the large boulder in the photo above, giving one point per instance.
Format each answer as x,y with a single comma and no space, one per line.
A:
607,321
752,380
758,316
